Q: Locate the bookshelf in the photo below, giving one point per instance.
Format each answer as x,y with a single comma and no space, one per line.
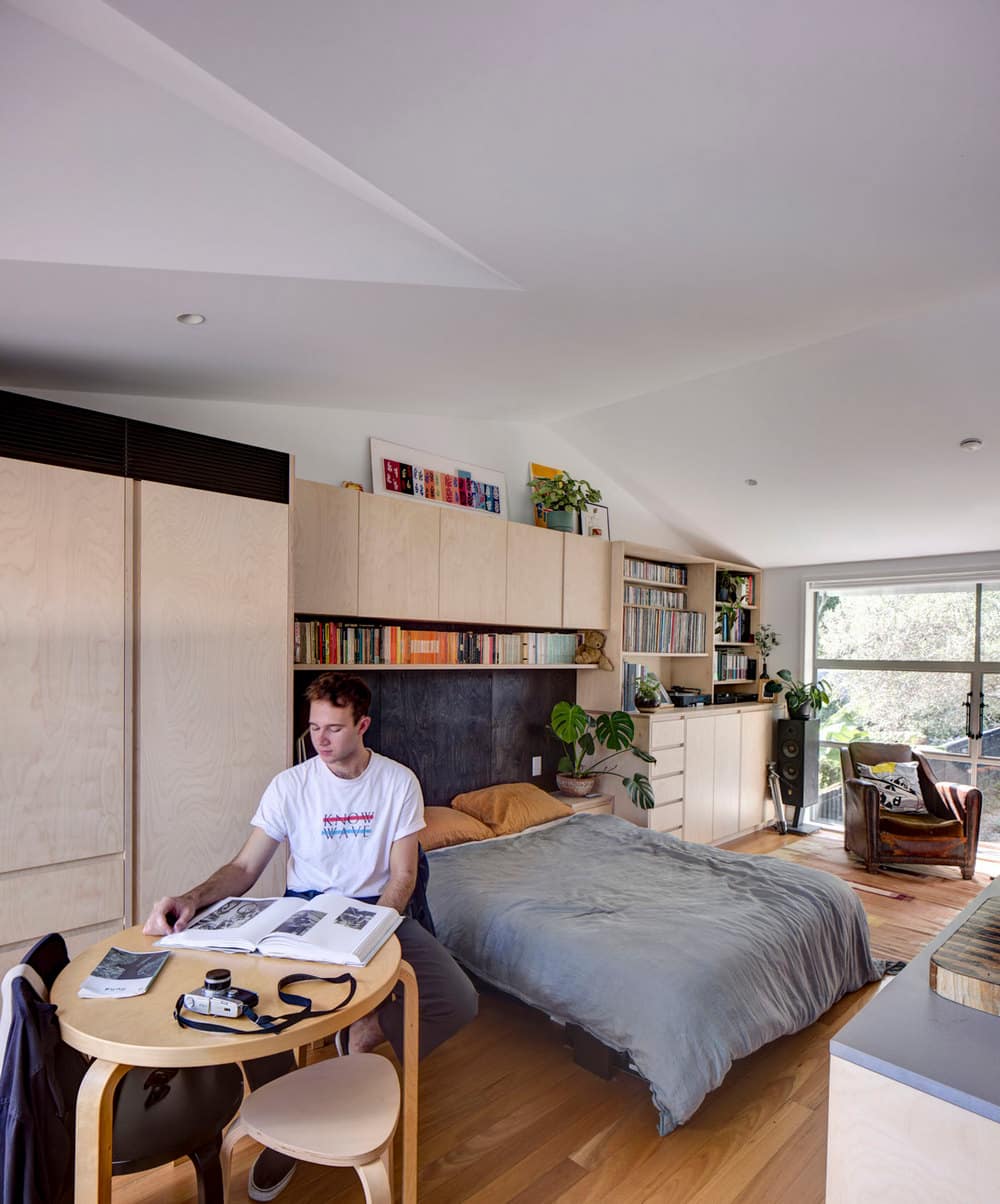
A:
664,611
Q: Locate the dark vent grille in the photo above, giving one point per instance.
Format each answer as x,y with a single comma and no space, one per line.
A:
51,433
160,453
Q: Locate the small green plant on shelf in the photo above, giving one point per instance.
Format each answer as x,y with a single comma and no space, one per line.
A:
562,492
647,692
581,735
726,616
766,639
804,698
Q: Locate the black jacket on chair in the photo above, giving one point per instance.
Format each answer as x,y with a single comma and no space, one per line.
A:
39,1080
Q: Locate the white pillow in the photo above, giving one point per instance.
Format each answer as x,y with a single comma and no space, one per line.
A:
898,785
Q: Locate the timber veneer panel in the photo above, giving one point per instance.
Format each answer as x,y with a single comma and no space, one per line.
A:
325,549
473,568
212,670
534,576
586,582
62,664
398,571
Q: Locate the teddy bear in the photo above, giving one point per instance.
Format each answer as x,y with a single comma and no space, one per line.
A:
590,650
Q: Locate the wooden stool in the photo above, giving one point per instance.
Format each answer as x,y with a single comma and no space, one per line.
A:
341,1112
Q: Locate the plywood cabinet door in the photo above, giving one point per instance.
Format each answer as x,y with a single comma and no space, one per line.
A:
586,582
534,576
726,808
212,673
325,549
699,777
473,568
62,665
398,558
756,741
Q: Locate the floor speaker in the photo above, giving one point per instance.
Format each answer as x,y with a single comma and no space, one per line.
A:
798,764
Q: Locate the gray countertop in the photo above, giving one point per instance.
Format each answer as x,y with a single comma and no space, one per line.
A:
911,1034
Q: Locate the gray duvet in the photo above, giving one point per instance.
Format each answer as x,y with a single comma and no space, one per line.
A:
684,956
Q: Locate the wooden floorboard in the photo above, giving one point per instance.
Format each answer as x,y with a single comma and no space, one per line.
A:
506,1115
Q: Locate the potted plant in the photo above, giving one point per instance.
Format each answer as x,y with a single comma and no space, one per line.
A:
562,498
804,698
647,693
766,639
726,618
580,735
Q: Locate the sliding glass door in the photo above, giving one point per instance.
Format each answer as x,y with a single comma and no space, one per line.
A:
912,663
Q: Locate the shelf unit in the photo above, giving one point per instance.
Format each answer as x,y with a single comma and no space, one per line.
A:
603,691
368,668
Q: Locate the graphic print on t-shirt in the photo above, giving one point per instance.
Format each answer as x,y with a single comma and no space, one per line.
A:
358,823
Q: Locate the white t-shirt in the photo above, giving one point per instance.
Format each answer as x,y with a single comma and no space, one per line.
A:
340,830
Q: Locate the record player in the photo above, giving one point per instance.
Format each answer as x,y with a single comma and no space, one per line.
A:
688,696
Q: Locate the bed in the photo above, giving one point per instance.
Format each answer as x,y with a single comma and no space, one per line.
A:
682,956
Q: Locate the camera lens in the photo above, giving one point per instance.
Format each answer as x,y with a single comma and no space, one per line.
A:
217,982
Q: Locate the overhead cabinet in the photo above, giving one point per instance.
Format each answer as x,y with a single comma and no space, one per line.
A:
398,558
325,549
534,576
473,568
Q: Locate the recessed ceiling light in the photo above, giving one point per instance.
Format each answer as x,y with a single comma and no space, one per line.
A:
749,481
190,319
971,445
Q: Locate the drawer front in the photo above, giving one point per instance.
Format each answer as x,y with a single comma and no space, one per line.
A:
666,818
668,761
668,790
665,733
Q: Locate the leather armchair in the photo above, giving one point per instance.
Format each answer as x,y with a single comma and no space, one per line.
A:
947,835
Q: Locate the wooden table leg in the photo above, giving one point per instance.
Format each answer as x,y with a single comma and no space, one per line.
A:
411,1056
93,1131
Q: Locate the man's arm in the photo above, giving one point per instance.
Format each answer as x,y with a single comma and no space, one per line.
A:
173,914
402,873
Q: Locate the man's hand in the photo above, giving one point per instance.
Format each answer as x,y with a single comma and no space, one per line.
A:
169,915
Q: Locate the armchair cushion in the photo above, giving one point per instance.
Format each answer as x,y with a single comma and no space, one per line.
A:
898,785
908,824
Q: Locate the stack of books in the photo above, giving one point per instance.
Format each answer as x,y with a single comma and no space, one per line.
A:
319,642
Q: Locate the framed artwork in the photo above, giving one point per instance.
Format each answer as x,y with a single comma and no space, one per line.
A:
595,521
427,477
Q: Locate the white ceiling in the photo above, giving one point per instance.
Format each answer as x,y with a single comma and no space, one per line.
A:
743,239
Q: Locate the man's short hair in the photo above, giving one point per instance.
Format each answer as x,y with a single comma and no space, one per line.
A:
341,690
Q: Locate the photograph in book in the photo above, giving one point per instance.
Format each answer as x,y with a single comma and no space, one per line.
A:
329,928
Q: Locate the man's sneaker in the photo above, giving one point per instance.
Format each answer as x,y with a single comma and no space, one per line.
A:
270,1175
341,1040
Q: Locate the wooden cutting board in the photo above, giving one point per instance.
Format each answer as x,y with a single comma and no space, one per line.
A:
966,968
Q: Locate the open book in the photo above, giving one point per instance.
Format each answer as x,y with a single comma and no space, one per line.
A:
328,928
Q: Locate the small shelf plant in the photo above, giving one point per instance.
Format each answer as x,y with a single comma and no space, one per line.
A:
562,498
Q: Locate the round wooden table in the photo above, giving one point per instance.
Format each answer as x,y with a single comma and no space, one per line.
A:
122,1033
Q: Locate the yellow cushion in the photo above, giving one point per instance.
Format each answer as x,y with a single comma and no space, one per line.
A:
446,826
511,807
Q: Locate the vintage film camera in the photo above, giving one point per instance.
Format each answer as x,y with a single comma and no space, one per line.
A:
218,997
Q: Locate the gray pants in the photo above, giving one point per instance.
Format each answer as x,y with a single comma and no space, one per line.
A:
448,1001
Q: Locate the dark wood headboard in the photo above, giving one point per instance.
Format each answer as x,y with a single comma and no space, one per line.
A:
462,729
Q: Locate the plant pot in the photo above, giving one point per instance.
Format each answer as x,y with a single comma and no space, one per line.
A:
805,711
561,520
578,787
646,708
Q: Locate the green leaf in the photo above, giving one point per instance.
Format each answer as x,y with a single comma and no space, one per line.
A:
565,765
586,743
640,791
643,755
569,721
615,731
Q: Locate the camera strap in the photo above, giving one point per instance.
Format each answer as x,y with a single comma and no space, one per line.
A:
274,1024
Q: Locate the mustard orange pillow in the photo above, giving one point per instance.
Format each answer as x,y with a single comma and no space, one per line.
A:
446,826
511,807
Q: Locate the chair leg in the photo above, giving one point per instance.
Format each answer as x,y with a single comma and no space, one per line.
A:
236,1130
375,1181
209,1171
968,871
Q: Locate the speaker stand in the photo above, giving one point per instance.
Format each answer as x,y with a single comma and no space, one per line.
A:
798,826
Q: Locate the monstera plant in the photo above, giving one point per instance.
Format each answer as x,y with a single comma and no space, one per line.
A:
589,742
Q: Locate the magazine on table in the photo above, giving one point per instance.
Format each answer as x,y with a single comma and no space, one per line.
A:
329,928
121,974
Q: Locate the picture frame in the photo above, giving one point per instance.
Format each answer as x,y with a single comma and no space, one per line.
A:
437,480
595,522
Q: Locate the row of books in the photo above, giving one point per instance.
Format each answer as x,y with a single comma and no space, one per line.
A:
667,631
734,630
731,665
653,570
651,595
330,643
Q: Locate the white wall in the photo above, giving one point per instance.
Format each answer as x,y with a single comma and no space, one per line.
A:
784,592
332,446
